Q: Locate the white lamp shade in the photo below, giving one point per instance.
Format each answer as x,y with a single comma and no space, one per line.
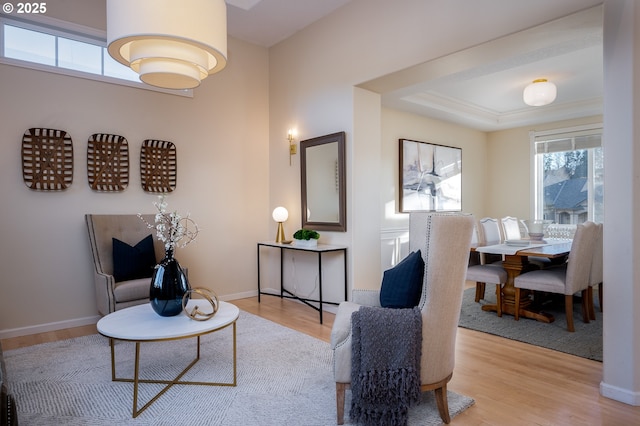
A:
539,93
170,44
280,214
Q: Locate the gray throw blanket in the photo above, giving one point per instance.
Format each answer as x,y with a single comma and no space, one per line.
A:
385,370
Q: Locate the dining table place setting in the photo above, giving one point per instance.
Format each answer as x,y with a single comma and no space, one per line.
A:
511,247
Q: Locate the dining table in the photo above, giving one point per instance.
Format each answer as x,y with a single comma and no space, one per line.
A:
515,260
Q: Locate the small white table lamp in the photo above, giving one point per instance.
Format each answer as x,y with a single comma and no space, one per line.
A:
280,214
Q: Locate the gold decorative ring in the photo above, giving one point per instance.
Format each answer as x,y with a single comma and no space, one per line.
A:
196,313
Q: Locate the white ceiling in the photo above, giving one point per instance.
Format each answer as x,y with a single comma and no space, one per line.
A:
480,87
268,22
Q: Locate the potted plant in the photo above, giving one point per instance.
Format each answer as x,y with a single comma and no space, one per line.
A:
306,238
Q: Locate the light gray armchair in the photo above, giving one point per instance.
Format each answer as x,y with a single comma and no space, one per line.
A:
566,279
111,295
444,241
482,273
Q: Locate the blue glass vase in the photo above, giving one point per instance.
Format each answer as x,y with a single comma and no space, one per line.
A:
169,283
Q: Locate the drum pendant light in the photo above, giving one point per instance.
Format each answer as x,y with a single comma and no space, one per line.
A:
173,45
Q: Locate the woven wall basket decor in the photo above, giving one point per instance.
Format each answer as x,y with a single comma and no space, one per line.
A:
47,159
158,166
107,162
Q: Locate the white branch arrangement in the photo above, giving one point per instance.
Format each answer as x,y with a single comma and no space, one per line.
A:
172,228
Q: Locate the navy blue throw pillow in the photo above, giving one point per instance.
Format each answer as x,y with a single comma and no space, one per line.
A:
130,263
402,284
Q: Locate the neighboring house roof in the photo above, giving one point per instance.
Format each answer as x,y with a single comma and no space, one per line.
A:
569,194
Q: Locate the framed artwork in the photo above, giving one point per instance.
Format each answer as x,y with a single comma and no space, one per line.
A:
107,162
47,159
430,177
158,166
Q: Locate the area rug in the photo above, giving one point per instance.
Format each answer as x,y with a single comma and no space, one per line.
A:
585,342
283,378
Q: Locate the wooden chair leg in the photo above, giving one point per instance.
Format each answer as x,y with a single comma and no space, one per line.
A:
568,308
479,291
585,305
600,295
592,309
443,404
499,300
516,313
340,391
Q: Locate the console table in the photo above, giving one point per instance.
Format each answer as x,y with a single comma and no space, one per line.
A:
320,249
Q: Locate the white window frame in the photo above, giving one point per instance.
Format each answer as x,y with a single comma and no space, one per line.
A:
81,33
536,162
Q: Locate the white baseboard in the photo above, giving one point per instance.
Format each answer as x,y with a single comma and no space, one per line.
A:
52,326
236,296
78,322
619,394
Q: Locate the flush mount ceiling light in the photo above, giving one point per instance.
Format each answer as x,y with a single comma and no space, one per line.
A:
539,93
171,45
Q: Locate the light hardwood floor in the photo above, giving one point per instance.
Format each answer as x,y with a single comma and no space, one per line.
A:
512,383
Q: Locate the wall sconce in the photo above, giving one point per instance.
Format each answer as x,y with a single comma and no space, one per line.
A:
293,149
280,214
540,92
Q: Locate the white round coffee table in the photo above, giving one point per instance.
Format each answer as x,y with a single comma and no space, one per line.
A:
141,324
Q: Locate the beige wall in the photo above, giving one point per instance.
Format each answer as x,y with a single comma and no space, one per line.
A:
401,125
222,165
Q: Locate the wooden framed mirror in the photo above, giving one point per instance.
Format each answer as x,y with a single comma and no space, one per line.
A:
323,183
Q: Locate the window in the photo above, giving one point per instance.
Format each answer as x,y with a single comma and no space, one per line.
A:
60,47
80,56
568,174
27,45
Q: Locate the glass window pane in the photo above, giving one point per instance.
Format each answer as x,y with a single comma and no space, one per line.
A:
572,186
61,50
28,45
113,68
80,56
598,185
565,181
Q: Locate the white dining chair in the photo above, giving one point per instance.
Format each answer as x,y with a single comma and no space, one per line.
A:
566,279
489,233
510,228
490,230
482,272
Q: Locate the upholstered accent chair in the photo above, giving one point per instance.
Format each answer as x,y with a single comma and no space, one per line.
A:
112,295
568,279
444,241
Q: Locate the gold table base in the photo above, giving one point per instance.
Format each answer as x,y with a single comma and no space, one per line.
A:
136,380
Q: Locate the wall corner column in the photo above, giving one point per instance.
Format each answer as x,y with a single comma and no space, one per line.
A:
621,143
